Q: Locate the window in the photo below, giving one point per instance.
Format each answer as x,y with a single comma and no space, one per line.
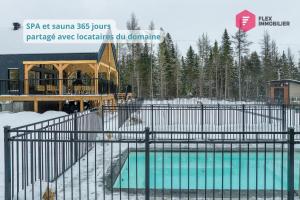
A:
13,74
13,83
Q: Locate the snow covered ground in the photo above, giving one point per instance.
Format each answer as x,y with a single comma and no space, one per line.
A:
15,120
198,101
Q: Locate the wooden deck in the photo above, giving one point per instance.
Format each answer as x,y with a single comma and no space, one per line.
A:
99,99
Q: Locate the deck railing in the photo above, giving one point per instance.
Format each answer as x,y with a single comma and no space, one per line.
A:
11,87
89,86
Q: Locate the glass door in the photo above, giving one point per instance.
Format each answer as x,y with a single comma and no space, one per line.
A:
279,95
13,82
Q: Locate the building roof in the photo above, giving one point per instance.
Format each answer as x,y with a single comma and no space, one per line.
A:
4,58
285,81
51,56
101,51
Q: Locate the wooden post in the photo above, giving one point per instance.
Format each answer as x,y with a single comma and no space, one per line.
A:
109,64
26,85
96,78
108,78
36,105
60,80
100,102
109,52
81,105
117,79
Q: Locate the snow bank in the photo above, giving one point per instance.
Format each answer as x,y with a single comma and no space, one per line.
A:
15,120
199,101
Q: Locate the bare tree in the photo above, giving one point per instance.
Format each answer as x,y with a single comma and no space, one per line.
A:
203,50
242,47
151,27
132,25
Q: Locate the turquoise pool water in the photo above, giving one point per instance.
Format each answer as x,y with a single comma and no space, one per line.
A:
185,176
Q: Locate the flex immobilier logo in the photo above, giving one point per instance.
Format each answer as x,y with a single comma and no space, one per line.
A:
246,21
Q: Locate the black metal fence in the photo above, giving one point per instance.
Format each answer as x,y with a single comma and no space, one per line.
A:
86,156
126,110
33,157
206,117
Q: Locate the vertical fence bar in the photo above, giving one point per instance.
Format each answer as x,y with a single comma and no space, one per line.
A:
75,136
152,117
202,128
243,118
270,113
218,119
290,170
283,118
120,111
102,116
7,164
168,114
147,165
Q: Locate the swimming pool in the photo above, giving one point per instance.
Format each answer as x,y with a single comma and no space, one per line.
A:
200,170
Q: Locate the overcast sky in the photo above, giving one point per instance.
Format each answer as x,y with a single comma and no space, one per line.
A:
185,20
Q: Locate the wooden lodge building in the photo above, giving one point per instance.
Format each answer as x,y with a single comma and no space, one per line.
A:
40,80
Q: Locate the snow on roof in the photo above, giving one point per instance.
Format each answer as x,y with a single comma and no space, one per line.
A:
285,80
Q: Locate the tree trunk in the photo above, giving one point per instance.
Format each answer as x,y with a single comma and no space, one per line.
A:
240,85
226,81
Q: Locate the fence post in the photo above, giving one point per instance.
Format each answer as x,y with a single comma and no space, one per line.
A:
120,114
147,164
102,117
270,113
218,114
75,134
243,118
152,117
283,118
290,170
168,114
7,164
202,120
